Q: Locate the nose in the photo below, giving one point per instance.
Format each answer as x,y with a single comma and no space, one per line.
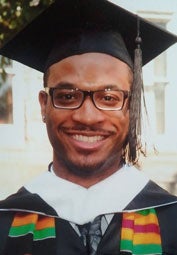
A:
88,114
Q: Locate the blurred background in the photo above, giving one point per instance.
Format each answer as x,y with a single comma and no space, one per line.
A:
24,147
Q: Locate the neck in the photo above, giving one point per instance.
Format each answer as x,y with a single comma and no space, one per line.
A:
85,180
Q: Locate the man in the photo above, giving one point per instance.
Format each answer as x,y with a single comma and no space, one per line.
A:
92,200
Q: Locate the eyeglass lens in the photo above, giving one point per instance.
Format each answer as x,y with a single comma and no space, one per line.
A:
103,99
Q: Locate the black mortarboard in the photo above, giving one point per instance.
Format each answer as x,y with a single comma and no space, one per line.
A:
65,19
70,27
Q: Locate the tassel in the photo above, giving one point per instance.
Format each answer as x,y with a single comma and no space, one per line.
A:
135,146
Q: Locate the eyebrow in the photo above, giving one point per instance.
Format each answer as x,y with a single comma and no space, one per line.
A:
68,85
65,85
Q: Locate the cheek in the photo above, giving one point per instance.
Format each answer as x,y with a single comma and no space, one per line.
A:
53,121
121,123
125,115
126,120
56,118
121,118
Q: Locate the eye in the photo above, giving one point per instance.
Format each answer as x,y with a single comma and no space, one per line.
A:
65,96
109,97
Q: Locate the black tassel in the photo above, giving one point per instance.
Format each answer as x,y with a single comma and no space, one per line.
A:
136,101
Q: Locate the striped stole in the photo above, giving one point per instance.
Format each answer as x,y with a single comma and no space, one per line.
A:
41,227
140,233
31,234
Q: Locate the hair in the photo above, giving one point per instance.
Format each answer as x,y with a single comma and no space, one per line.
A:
45,77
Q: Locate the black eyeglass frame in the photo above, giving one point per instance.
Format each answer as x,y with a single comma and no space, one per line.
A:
126,94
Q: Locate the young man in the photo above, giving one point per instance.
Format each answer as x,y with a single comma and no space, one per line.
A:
92,200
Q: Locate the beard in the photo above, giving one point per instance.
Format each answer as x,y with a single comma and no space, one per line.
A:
84,170
86,166
85,163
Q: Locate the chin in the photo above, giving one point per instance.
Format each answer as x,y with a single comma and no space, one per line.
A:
85,170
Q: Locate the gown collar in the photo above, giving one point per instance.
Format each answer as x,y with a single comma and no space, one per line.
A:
77,204
126,190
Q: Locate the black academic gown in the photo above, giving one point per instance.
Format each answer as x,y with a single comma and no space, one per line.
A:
67,241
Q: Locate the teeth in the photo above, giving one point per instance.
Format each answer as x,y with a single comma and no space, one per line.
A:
88,139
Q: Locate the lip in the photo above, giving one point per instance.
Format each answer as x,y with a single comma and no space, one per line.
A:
85,141
88,139
82,142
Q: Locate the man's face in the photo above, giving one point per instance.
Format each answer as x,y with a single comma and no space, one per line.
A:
87,140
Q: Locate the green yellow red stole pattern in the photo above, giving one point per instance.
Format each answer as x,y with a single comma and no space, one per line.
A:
140,233
41,227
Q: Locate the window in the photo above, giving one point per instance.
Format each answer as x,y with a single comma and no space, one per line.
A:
12,108
160,73
155,84
6,101
159,93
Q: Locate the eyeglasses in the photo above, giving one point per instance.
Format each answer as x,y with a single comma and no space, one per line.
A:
107,99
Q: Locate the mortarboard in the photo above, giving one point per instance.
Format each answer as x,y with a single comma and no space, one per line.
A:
63,19
69,27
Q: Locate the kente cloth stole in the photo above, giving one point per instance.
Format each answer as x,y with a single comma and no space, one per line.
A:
31,233
140,233
41,227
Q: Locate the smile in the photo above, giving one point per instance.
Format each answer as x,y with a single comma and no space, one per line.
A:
88,139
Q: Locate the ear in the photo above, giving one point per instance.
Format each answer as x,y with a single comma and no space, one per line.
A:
43,103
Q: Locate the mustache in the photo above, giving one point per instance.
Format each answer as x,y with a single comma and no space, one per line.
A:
84,128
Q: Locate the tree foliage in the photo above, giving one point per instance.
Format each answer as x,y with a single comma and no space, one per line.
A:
13,16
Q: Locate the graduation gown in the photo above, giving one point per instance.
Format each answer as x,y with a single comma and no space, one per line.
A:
54,235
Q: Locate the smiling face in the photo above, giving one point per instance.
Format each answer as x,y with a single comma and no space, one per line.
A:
87,142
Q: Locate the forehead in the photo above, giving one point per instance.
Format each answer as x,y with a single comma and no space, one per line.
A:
91,68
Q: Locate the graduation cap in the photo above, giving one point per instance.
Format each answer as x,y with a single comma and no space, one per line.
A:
64,20
70,27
